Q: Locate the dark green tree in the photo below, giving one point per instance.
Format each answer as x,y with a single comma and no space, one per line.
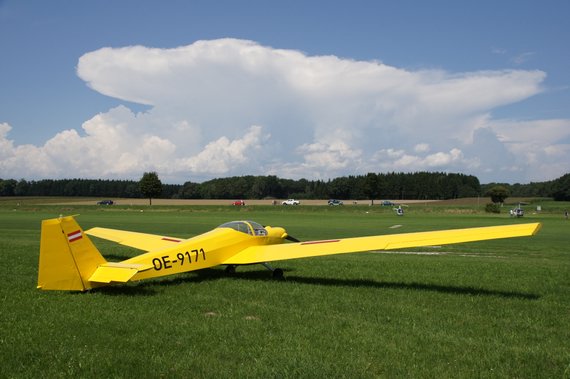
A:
561,188
190,191
7,187
150,185
371,186
498,194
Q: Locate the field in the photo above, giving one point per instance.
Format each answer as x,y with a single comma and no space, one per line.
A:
490,309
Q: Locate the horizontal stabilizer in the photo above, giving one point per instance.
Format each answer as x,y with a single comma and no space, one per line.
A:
117,272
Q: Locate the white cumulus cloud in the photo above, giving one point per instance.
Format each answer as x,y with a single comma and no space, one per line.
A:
234,107
218,157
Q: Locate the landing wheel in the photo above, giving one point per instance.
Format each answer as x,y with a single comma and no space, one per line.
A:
278,274
230,269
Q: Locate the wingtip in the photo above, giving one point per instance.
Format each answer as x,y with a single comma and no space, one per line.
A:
537,228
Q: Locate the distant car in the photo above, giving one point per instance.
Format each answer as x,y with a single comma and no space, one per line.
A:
335,202
291,202
105,202
387,203
239,203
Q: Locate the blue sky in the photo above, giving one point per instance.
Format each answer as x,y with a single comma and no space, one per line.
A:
203,89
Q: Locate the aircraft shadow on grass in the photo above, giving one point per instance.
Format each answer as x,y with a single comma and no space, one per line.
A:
150,288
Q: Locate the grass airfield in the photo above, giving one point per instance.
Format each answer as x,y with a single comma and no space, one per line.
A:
486,309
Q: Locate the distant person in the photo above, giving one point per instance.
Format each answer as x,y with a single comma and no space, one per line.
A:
566,215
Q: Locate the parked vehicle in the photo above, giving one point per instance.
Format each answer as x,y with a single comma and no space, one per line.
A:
239,203
291,202
105,202
335,202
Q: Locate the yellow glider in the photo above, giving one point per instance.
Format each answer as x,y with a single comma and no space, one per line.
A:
70,261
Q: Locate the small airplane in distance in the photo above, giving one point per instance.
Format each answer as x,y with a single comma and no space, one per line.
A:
70,261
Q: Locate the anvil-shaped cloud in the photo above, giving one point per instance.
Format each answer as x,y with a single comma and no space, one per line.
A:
234,107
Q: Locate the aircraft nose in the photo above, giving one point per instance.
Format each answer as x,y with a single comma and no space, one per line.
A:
276,232
281,233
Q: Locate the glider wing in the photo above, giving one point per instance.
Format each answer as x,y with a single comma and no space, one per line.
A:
269,253
141,241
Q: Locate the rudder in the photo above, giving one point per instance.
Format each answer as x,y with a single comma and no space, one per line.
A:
67,256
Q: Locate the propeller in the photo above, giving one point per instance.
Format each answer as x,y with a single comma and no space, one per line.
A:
291,238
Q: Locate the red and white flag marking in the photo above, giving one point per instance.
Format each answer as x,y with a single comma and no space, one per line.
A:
74,236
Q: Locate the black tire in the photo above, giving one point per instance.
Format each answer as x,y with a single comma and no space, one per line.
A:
278,274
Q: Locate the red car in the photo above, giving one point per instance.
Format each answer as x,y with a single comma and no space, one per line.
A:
238,202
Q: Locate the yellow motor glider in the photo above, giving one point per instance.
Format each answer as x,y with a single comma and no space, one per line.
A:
70,261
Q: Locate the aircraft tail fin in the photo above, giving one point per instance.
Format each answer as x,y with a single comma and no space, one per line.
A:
68,258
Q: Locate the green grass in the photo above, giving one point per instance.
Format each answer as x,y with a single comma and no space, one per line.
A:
488,309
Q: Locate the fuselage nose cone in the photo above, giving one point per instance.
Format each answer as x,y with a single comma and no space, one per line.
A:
276,232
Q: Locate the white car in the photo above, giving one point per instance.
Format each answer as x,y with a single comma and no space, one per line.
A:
291,202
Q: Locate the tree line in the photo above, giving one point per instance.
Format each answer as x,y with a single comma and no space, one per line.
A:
79,187
420,185
558,189
394,186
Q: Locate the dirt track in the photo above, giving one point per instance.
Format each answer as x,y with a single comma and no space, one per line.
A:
228,202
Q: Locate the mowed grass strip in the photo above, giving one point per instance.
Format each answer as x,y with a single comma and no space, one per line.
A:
485,309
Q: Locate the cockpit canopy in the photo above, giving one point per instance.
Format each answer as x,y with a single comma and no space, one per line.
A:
248,227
